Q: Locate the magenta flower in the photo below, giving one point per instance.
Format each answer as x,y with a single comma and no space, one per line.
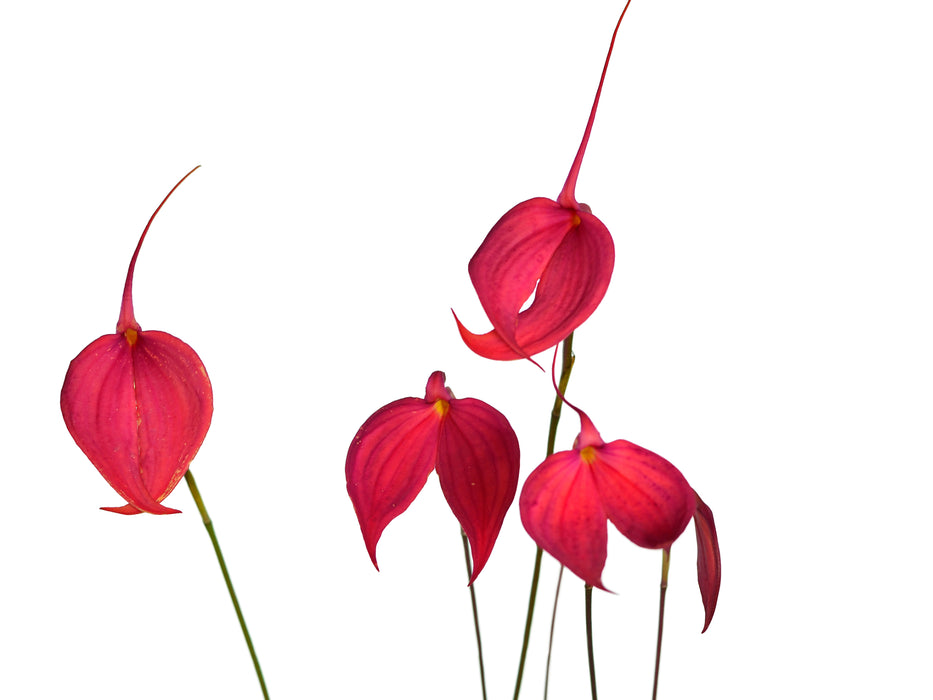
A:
556,250
138,403
567,500
469,443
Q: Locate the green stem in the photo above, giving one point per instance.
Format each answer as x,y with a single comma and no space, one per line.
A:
531,611
589,638
209,526
566,367
479,641
665,566
550,641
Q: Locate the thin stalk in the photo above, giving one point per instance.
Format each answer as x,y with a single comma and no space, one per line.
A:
550,641
567,363
665,566
531,611
479,641
589,638
566,367
209,526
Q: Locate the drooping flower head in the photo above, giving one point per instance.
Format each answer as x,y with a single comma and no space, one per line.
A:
138,403
555,249
567,501
469,443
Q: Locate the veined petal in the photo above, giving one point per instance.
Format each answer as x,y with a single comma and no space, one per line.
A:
572,285
99,406
389,462
512,258
709,565
644,495
478,465
563,513
566,252
175,405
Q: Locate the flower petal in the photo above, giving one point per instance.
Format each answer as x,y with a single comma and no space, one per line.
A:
709,564
562,511
644,495
573,284
512,258
478,465
100,410
489,345
389,462
568,253
175,404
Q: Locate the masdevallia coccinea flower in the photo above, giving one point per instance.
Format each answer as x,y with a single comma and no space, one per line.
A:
469,443
567,500
555,249
138,403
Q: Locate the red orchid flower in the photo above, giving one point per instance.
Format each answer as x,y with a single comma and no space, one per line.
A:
139,404
555,249
469,443
566,502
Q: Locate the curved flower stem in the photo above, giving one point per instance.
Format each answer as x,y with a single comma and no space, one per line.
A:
479,641
665,565
209,526
589,638
566,367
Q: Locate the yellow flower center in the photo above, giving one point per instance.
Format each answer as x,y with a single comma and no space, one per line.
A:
131,336
441,407
588,454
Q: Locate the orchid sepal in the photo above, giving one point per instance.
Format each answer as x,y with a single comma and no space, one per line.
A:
709,561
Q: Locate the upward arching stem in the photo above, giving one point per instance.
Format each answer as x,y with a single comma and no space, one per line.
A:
567,197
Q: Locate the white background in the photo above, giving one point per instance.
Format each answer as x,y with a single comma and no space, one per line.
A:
765,169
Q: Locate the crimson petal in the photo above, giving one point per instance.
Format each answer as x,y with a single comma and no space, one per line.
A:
567,253
139,412
478,465
709,564
389,462
644,495
562,511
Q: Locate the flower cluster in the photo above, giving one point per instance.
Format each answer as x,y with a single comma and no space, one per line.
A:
558,251
139,404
